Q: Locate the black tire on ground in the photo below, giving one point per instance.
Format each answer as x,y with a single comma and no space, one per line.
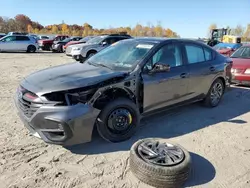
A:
158,175
31,49
111,135
47,47
208,101
61,49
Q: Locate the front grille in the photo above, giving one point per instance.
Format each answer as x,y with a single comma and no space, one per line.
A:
28,108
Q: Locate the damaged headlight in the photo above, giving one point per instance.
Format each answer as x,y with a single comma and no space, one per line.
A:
80,97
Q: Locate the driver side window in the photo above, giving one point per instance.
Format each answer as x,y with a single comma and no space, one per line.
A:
169,54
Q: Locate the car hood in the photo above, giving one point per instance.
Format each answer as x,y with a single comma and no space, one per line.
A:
241,63
66,77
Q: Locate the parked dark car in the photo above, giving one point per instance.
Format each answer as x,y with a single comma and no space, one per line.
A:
241,65
58,45
46,44
83,40
113,89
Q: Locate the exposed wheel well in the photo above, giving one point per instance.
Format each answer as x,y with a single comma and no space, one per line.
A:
110,95
223,81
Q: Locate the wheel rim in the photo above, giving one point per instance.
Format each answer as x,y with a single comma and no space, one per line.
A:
120,120
90,55
216,93
163,154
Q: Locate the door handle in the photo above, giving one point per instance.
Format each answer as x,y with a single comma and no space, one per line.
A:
212,69
183,75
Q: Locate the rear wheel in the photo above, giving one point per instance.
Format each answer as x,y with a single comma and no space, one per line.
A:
215,94
118,121
31,49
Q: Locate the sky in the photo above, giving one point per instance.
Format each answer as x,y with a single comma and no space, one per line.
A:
189,18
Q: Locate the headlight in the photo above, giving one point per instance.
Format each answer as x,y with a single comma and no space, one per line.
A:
76,49
247,71
80,97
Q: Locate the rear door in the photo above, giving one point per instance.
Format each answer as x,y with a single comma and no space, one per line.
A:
22,42
165,88
199,61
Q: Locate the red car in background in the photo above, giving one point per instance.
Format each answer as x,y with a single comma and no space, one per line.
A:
83,40
46,44
241,65
227,49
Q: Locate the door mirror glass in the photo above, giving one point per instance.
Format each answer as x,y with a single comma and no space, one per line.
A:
160,67
104,43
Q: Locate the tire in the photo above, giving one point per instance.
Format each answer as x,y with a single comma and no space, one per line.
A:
208,101
103,125
158,175
31,49
90,54
47,47
61,49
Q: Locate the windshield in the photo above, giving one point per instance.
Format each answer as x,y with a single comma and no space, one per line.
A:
96,40
67,40
243,52
85,39
122,55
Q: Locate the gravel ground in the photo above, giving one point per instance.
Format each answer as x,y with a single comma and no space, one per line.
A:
217,138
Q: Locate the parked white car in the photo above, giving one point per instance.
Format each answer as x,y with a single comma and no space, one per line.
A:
81,52
18,43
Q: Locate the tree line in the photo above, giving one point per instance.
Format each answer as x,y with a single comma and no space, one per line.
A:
22,23
239,30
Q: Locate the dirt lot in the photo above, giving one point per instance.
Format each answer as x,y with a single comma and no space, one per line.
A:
218,139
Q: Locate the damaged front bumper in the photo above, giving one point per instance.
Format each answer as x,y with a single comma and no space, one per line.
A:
62,125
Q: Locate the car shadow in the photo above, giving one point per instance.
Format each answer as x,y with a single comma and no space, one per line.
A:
202,171
176,122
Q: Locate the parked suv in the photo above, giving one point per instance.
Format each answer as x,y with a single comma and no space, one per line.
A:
46,44
18,43
81,52
83,40
113,89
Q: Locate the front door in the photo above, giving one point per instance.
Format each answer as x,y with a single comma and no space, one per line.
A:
8,43
163,89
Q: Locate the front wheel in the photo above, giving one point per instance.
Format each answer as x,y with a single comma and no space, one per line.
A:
215,94
118,121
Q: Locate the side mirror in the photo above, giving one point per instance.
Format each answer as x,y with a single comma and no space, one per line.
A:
104,43
160,67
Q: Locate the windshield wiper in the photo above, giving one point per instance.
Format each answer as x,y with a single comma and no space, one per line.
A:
98,65
102,65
